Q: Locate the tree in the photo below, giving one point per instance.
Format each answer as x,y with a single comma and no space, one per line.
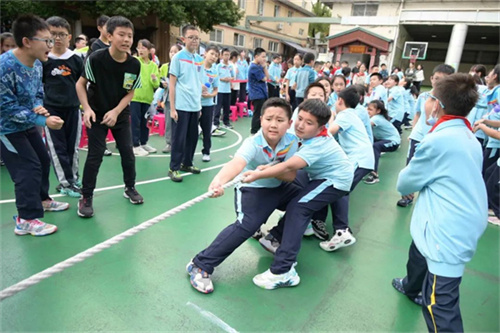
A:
203,13
320,10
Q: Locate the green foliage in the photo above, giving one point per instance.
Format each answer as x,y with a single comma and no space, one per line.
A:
203,13
320,10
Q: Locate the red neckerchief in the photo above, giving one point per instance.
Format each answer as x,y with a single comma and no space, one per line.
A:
451,117
324,132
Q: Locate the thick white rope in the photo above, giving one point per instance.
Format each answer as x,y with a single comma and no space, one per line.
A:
34,279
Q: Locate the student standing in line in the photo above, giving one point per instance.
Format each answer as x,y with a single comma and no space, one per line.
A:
305,76
257,87
290,79
226,74
113,75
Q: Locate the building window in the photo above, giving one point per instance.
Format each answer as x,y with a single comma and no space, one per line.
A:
242,4
273,46
257,42
260,9
301,32
216,36
290,14
364,9
276,11
239,40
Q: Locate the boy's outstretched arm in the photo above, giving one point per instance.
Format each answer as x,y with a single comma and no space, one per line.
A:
276,171
226,174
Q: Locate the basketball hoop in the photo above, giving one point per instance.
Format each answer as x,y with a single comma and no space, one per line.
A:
413,58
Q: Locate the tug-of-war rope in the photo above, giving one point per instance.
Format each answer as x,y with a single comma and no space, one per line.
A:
34,279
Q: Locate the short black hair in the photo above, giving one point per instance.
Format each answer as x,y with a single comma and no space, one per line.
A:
496,71
458,94
383,65
188,27
346,71
481,69
146,43
277,103
79,39
118,22
225,49
345,62
276,56
58,22
394,77
380,106
308,58
27,26
338,76
318,109
300,55
324,78
312,85
380,77
233,54
360,89
443,68
102,20
350,96
212,48
258,51
6,35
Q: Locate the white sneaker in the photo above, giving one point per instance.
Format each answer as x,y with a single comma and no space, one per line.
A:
205,158
309,231
341,238
268,280
33,227
148,148
139,151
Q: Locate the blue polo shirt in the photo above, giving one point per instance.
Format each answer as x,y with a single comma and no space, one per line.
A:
326,160
275,73
420,129
257,89
493,99
291,75
378,93
187,67
354,139
224,71
305,76
396,106
256,151
480,110
362,113
242,70
211,81
384,130
409,103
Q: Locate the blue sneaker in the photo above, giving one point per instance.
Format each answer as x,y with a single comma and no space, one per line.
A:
200,280
397,283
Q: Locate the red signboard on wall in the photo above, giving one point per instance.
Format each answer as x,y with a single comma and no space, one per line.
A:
357,48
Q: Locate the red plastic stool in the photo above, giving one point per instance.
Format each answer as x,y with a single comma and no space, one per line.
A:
242,109
110,137
84,139
234,113
158,125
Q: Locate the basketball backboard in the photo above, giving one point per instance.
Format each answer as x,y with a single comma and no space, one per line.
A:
415,48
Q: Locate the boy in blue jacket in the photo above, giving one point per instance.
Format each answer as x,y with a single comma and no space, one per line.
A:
451,212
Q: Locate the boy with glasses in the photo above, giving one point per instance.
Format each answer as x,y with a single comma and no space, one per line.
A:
21,110
60,74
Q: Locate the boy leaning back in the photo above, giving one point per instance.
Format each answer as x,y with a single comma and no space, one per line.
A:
451,211
113,75
256,201
330,178
21,110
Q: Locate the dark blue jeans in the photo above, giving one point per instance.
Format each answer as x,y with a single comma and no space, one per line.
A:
206,127
184,139
140,130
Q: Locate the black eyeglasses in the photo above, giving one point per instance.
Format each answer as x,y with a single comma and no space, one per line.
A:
61,35
48,41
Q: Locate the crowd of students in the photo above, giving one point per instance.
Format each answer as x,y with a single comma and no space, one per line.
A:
307,152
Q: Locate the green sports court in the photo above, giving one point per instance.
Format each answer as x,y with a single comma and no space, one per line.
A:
141,284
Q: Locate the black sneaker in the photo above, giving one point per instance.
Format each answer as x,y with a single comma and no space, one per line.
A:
134,196
397,283
319,228
85,207
371,179
258,235
192,169
175,176
404,202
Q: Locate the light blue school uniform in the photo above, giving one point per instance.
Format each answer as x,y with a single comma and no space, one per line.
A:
242,66
275,74
187,67
211,81
338,72
400,75
362,113
396,106
326,160
420,129
409,103
493,99
480,109
305,76
384,130
256,151
452,208
354,140
224,71
378,93
291,75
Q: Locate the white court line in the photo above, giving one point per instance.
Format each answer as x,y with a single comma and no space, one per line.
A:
212,318
240,138
114,187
